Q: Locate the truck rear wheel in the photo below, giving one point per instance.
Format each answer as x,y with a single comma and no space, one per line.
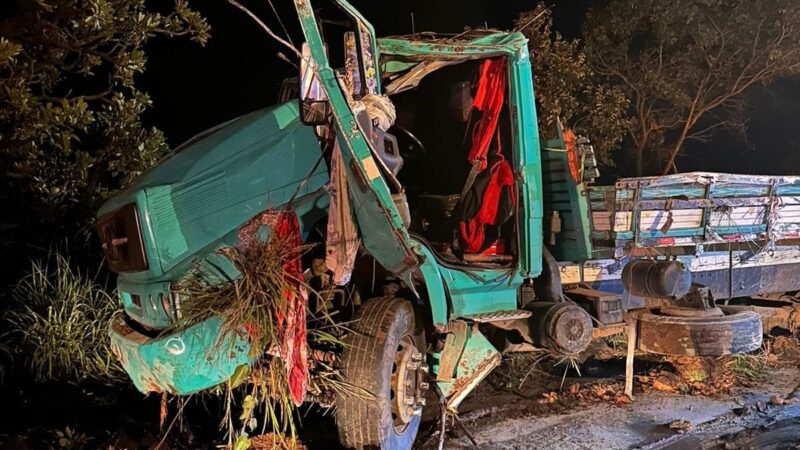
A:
384,363
733,332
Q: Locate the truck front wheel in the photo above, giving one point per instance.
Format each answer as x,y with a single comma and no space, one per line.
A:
386,367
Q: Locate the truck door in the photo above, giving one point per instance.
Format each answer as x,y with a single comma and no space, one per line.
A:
381,226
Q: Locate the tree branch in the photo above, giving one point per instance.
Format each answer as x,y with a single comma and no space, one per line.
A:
265,27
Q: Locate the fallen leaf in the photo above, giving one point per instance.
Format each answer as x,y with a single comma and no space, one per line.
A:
550,397
681,425
661,386
777,400
242,443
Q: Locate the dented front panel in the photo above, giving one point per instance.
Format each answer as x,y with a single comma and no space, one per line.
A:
182,363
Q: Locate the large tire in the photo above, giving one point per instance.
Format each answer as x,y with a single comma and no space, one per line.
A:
735,332
366,419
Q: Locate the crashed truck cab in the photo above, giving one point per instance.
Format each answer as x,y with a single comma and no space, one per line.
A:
415,166
177,216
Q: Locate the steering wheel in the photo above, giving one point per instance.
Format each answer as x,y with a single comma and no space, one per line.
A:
416,150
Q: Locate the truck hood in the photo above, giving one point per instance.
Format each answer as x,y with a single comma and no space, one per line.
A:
217,181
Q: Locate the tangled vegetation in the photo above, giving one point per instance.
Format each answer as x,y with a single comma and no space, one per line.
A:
263,303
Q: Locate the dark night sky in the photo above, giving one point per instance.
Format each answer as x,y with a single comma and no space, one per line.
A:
194,88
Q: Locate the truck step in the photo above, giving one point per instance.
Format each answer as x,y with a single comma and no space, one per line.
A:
496,316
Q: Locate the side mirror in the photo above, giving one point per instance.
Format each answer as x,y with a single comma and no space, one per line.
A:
314,105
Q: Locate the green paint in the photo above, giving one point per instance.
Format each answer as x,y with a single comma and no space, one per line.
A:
476,362
193,203
381,226
184,362
483,291
568,198
434,282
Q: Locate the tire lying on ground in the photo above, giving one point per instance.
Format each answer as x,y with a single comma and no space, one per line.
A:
735,332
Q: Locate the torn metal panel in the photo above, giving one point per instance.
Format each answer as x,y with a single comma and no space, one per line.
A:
458,332
381,225
478,359
472,44
341,246
431,274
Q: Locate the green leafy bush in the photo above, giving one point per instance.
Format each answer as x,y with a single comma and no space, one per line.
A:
58,325
71,130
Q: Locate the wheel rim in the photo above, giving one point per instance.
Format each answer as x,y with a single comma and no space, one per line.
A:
408,384
677,311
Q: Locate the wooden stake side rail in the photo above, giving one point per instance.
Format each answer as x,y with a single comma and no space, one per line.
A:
693,210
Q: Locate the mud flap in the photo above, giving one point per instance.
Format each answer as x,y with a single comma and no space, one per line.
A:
463,364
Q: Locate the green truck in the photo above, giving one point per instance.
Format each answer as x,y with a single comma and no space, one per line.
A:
476,238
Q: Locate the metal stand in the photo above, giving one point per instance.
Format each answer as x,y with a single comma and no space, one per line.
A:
631,333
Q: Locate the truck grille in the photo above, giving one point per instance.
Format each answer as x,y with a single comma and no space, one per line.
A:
121,238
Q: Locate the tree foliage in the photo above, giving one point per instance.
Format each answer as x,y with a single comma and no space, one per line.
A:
70,111
565,87
686,65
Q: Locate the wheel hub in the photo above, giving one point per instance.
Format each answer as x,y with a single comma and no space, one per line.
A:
408,383
570,329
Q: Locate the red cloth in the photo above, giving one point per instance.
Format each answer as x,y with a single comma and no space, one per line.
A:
294,350
291,333
489,101
473,230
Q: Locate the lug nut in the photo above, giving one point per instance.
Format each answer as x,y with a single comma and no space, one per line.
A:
413,365
409,401
424,386
416,356
421,402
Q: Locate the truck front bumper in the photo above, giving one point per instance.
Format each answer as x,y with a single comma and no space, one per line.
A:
181,363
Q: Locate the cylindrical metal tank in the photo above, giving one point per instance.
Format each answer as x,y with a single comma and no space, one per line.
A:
656,279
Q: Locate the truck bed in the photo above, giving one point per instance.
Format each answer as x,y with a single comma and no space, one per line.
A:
738,234
694,210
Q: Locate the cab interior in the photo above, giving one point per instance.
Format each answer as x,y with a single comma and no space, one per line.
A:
435,129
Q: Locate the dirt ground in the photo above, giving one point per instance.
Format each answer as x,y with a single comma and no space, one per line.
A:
742,410
653,420
758,406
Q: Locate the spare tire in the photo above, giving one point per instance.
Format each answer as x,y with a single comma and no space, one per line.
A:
735,332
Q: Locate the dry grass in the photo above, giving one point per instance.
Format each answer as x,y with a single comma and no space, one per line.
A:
520,368
256,303
749,367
